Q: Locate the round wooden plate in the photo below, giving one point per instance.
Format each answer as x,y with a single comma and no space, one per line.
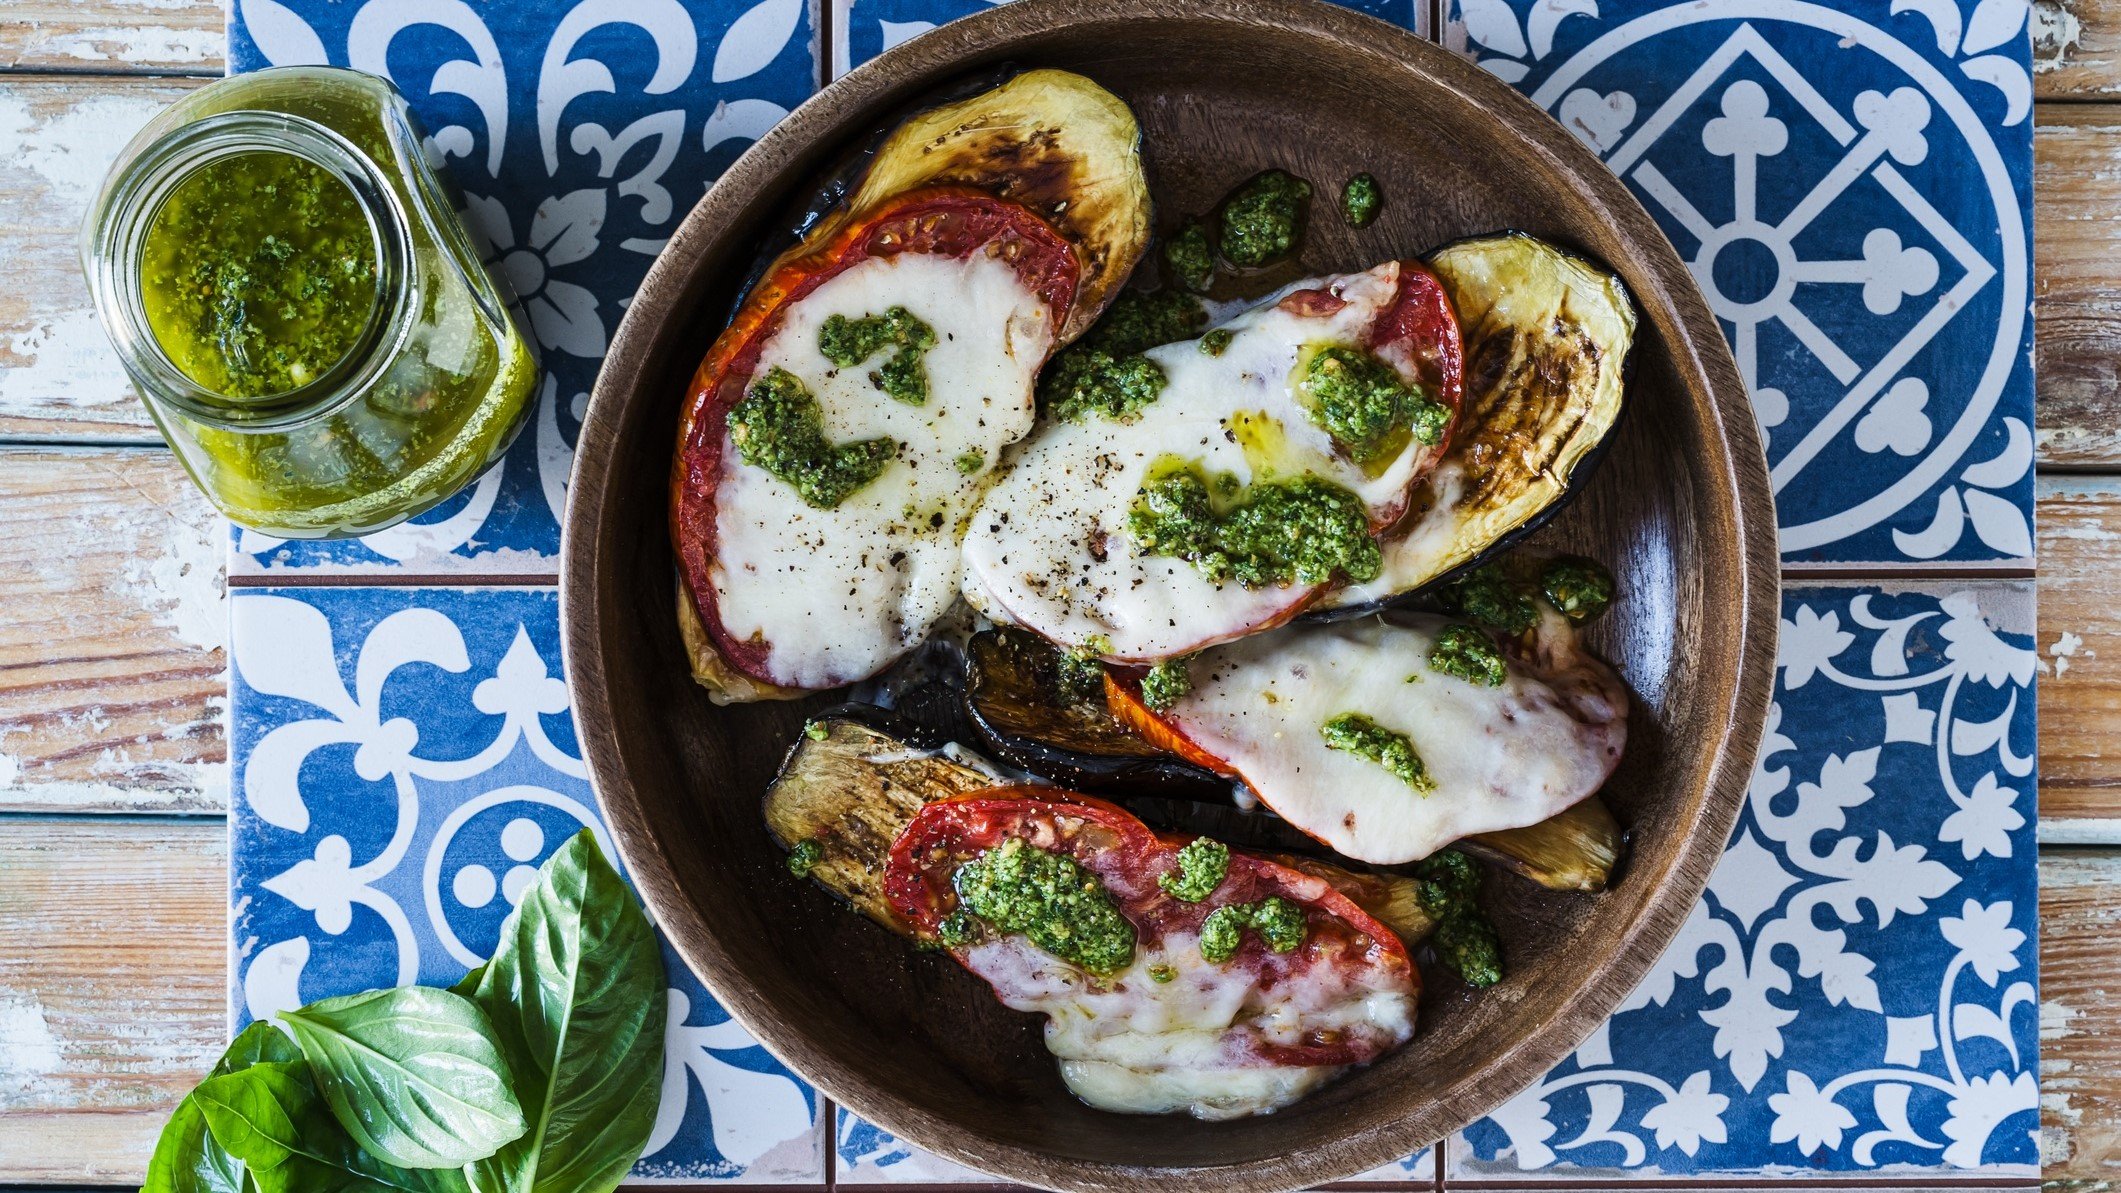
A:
1680,509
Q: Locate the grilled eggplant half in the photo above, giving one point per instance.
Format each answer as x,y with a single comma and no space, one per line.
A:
858,776
1546,344
858,404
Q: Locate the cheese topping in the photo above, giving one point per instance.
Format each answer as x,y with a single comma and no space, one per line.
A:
1050,548
1500,757
837,594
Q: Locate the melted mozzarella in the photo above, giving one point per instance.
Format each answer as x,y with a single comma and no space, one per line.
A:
1501,757
1130,1044
838,594
1049,548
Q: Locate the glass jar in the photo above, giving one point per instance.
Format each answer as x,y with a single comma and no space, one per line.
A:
290,288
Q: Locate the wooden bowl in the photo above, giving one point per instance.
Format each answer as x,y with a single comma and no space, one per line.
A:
1680,509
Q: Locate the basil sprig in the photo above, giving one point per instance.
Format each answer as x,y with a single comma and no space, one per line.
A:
541,1070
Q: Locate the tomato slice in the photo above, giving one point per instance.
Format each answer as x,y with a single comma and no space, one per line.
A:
1419,332
947,220
1294,1009
1123,696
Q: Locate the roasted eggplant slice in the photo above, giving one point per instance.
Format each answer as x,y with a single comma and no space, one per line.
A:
1174,979
851,415
1546,341
857,777
1210,488
1028,715
1389,738
1576,849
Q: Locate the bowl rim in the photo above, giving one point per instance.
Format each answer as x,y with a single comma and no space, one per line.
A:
1697,347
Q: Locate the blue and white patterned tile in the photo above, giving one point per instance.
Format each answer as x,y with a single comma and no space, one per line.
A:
579,134
406,757
1856,994
862,29
1852,187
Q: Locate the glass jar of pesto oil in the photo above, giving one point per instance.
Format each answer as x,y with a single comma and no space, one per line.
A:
292,292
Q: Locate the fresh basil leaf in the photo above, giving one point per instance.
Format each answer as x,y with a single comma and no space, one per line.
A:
187,1160
271,1117
414,1074
577,996
468,985
260,1043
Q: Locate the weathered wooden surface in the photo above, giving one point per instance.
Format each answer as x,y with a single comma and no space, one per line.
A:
58,135
2080,1051
113,963
2076,49
112,673
2077,251
113,36
2079,522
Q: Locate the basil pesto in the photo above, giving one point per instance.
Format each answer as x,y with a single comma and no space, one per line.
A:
1468,654
1465,941
1079,676
1278,921
779,427
1489,597
1366,406
957,929
1203,863
1360,199
805,857
970,462
1263,218
259,274
848,342
1216,341
1303,531
1104,372
1050,899
1357,734
1580,589
1189,260
1166,684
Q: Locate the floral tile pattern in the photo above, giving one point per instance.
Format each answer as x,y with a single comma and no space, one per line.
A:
579,134
1851,184
862,29
1856,992
406,759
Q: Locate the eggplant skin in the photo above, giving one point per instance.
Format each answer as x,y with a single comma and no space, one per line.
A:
1051,140
1547,336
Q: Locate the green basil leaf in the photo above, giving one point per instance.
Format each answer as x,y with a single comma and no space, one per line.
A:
414,1074
270,1116
260,1043
187,1160
577,996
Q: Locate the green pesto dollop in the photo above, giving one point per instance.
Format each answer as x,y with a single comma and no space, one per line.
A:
1189,259
957,929
1579,588
1216,341
1491,598
1104,372
259,274
817,731
1354,733
1166,684
848,342
1050,899
1366,406
1263,218
1468,654
1278,921
805,857
1079,676
1360,199
1448,884
1203,863
779,427
970,462
1303,531
1161,974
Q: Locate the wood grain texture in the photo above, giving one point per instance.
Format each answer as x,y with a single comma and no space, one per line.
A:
915,1044
2079,525
2080,1052
112,673
114,36
113,988
2077,242
2076,49
58,376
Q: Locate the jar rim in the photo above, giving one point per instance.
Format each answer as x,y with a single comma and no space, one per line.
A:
135,198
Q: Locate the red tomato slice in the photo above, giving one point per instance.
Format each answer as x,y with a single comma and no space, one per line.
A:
1345,947
953,221
1419,333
